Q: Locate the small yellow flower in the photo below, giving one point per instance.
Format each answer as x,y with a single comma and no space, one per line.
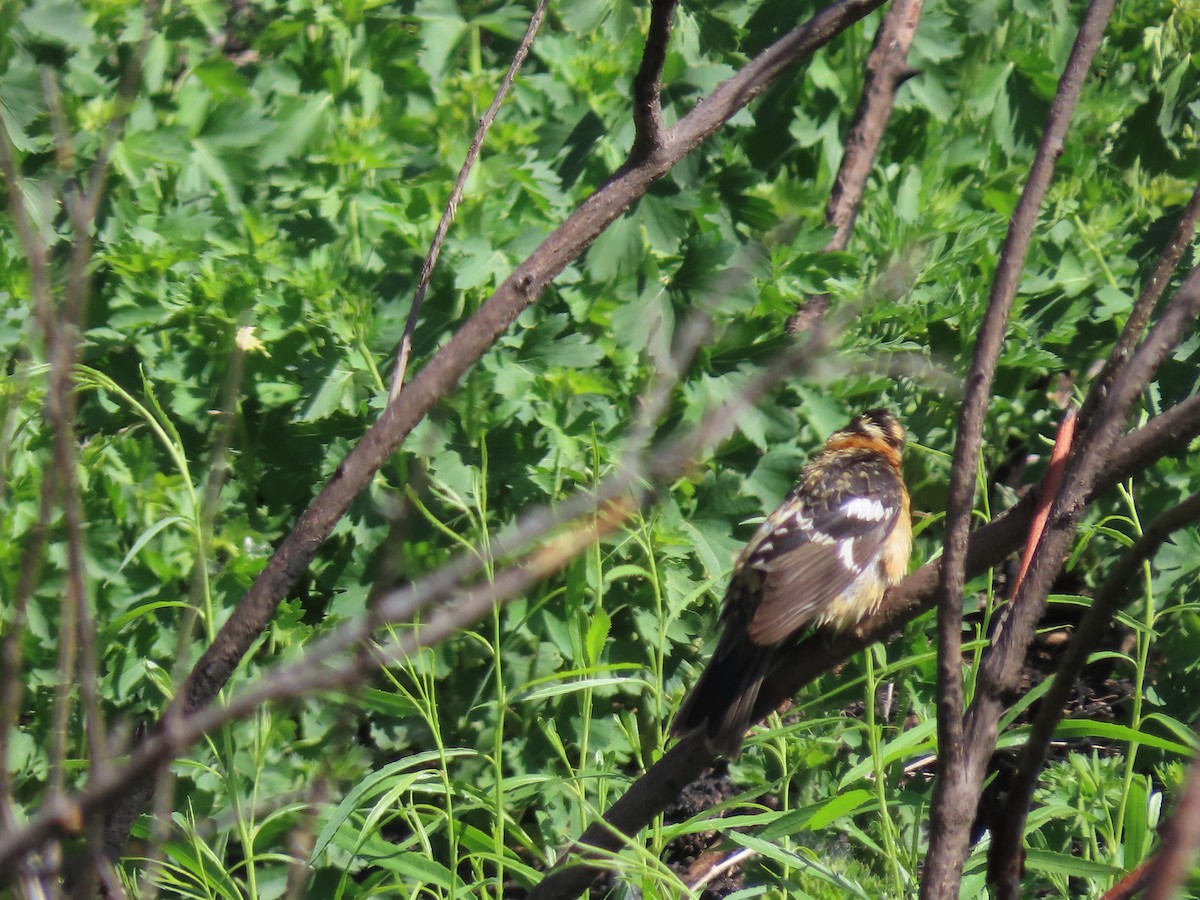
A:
248,341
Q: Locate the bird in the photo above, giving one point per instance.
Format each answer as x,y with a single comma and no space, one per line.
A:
822,560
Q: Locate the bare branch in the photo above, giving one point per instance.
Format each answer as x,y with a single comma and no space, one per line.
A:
954,798
733,859
887,68
460,183
647,86
1008,828
520,290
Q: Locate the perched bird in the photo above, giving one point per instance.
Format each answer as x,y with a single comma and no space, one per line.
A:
825,557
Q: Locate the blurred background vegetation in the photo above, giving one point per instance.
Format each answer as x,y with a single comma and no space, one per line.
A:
271,198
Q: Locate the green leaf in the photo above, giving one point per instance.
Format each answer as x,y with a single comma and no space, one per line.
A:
597,635
1068,865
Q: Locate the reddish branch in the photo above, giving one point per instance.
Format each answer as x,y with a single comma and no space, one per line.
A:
1132,884
1048,490
1162,436
999,673
443,372
956,792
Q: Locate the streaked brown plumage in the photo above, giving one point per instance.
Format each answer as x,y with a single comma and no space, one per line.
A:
824,558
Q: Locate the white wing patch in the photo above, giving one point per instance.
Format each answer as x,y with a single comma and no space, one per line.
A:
864,508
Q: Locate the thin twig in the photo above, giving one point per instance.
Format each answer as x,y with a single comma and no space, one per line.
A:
1008,827
37,253
729,862
954,797
460,183
59,325
37,256
218,469
60,338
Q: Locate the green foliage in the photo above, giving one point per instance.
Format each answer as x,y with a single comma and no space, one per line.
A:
272,195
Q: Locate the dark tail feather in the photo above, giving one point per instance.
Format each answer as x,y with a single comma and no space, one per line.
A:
723,699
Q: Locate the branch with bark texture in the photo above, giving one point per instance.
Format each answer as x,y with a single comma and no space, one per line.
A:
442,373
1162,436
954,795
887,69
649,133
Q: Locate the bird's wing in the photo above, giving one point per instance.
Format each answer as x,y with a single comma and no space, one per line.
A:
814,550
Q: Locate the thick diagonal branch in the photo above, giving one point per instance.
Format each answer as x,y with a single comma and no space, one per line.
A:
449,599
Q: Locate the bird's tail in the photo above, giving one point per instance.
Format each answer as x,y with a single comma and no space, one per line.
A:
722,701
